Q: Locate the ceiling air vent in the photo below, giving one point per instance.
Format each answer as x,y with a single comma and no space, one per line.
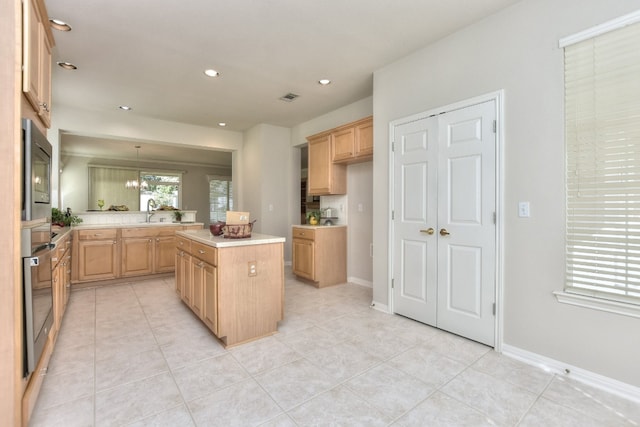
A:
289,97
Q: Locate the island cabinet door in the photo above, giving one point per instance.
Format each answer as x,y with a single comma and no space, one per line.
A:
210,303
197,279
187,282
179,274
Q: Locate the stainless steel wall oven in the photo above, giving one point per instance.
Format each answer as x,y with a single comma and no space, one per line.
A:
38,290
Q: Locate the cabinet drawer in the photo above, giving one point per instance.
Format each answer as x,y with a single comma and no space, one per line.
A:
205,253
98,234
138,232
304,233
167,231
183,244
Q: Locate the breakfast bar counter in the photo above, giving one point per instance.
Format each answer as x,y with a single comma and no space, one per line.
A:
235,286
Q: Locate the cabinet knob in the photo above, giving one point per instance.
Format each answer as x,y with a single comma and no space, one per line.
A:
201,251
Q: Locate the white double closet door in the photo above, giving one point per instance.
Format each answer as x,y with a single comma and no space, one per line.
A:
444,231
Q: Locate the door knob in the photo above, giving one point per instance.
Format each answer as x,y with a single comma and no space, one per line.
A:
444,232
429,231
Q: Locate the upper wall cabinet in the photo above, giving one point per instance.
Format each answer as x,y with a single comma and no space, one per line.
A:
324,177
331,151
36,56
353,142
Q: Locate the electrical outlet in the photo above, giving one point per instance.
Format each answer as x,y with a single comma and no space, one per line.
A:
524,210
253,268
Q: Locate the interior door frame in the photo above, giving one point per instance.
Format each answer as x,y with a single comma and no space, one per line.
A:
498,98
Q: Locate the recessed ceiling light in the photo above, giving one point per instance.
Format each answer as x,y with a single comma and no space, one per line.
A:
125,108
59,25
67,65
211,73
222,124
324,82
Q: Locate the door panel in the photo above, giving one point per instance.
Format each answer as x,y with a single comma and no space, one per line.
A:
415,169
466,205
444,233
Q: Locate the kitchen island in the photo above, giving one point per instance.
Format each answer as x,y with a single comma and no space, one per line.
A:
235,286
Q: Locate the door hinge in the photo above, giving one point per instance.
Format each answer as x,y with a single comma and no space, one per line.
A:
393,284
393,146
494,217
494,308
393,215
495,126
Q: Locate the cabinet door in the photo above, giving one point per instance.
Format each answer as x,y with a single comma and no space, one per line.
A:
97,259
198,280
343,142
303,258
187,283
58,298
364,139
33,33
179,271
319,178
137,256
210,303
45,81
164,254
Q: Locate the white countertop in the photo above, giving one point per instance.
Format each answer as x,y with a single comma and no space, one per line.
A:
204,236
319,226
136,225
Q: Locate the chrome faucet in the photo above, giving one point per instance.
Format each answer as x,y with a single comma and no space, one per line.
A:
150,203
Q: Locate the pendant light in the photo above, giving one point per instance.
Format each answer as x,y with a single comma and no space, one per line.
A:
133,184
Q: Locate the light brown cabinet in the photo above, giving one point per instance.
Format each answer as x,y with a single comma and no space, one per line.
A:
112,253
148,250
320,254
324,177
331,151
97,254
353,143
36,54
61,280
137,252
234,302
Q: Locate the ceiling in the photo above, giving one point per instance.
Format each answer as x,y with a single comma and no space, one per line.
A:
105,148
151,54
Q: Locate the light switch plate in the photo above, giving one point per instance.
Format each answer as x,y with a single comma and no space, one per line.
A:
524,210
253,269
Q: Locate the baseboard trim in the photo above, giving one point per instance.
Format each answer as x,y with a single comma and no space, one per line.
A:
360,282
607,384
380,307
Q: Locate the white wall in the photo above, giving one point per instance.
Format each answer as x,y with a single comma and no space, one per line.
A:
515,50
267,155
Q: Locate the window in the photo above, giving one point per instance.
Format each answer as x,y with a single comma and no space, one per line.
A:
602,132
163,188
220,198
108,183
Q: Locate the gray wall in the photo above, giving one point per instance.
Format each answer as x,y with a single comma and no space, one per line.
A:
515,50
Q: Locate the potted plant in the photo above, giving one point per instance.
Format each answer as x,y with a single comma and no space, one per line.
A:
64,219
313,217
177,215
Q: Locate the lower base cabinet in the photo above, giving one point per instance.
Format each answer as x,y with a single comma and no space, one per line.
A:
320,254
236,291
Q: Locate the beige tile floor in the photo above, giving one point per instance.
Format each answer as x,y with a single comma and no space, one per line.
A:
133,354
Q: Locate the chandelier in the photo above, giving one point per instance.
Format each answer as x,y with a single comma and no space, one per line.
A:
133,184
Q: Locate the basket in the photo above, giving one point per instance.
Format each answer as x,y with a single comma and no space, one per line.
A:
237,231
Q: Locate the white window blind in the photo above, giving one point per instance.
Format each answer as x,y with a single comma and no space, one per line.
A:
602,107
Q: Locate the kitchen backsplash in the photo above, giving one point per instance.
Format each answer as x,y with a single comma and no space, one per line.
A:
338,204
131,217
